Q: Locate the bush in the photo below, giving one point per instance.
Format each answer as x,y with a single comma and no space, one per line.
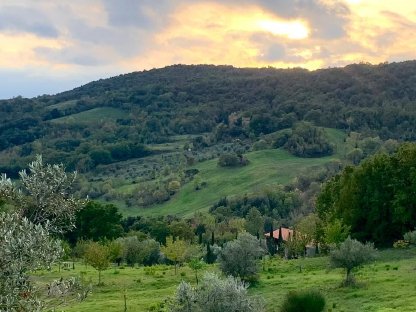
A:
305,301
232,160
215,294
410,237
240,258
401,244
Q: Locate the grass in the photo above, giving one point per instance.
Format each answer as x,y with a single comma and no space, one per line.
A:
63,105
266,167
271,166
385,285
94,115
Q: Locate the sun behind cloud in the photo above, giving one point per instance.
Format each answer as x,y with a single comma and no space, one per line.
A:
290,29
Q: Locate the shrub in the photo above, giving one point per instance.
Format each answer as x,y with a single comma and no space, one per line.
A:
401,244
240,258
305,301
215,294
410,237
232,160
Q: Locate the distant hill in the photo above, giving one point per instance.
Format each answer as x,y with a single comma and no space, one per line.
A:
148,126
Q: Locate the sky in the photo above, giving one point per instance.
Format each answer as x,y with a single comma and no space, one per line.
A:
49,46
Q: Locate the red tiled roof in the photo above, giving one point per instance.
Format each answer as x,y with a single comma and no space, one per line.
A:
286,233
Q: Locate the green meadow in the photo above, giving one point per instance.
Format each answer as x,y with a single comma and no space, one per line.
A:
95,115
386,285
266,167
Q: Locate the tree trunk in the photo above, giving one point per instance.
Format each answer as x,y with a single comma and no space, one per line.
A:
349,279
99,277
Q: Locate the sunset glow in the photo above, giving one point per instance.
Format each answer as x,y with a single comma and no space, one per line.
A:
292,30
105,38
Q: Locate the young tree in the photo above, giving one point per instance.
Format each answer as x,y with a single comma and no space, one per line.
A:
351,254
98,256
240,257
215,294
195,264
254,222
175,251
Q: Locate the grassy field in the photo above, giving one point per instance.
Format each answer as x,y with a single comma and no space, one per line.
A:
271,166
386,285
266,167
94,115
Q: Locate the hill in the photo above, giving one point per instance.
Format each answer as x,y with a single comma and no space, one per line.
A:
150,128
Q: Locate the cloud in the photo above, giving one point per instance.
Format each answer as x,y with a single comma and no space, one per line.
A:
29,20
51,40
327,18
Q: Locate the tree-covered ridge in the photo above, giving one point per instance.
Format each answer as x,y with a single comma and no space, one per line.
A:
376,199
228,102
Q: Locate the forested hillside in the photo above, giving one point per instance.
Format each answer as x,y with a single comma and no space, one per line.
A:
155,125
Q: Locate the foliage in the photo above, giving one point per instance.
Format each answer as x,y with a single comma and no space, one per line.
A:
24,247
240,257
232,160
131,249
98,256
96,222
335,232
401,244
175,251
376,199
254,222
410,237
44,195
149,252
273,201
349,255
305,301
308,141
196,265
214,295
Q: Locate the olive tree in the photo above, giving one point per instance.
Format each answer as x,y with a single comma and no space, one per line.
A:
40,208
240,257
24,247
44,195
349,255
215,294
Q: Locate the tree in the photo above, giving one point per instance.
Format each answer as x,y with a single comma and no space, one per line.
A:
215,294
44,196
308,228
149,252
195,264
254,222
335,232
349,255
41,207
98,256
131,249
24,247
115,251
175,251
96,222
240,257
375,199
